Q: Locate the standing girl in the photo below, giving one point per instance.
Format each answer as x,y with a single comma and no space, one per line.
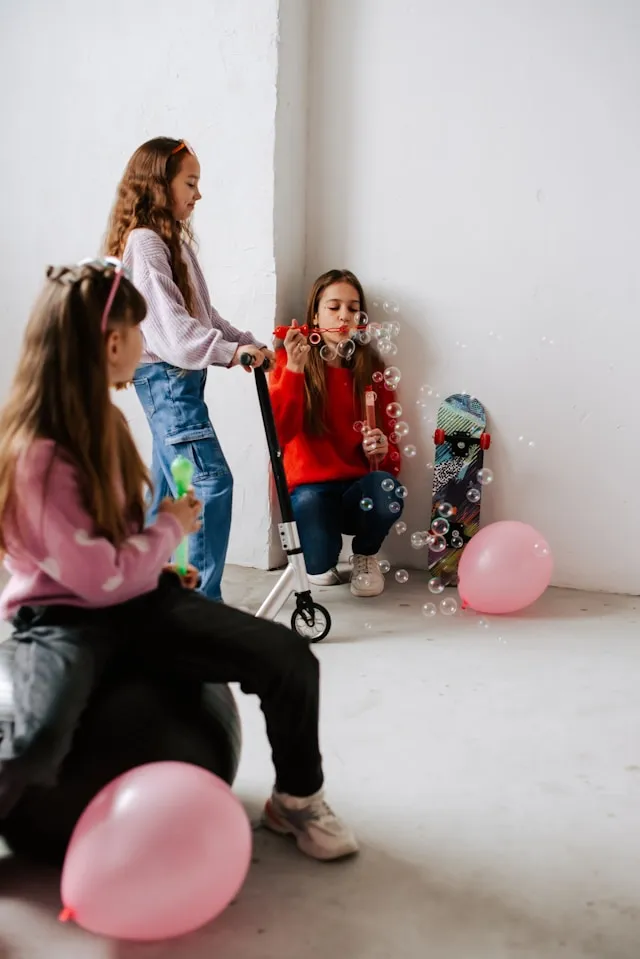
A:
183,334
341,480
87,582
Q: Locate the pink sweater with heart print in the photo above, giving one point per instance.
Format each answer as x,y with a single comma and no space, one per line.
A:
53,554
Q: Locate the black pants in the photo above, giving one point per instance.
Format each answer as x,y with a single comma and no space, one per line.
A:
63,652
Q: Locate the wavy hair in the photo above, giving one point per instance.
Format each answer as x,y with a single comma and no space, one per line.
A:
143,199
60,392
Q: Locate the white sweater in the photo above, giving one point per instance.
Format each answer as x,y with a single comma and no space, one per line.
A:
170,333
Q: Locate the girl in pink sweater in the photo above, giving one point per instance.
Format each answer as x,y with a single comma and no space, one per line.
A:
89,582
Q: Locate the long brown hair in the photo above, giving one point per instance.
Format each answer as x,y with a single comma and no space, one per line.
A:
60,392
143,199
363,363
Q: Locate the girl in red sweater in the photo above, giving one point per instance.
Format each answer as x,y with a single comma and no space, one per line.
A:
342,480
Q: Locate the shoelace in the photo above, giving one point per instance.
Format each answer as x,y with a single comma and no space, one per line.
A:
364,565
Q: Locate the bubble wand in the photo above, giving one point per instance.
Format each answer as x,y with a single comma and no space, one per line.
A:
182,472
370,420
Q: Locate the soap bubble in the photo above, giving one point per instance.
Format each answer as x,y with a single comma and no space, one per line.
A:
386,348
400,527
484,477
385,566
448,606
483,624
363,581
390,306
387,484
418,540
436,585
361,319
440,526
438,544
394,410
446,510
377,377
429,609
473,494
402,428
393,437
391,328
358,426
346,349
410,450
366,504
363,337
392,377
394,506
401,492
425,394
351,558
541,548
531,443
401,576
327,352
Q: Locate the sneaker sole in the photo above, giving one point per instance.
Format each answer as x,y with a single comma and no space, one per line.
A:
364,593
276,825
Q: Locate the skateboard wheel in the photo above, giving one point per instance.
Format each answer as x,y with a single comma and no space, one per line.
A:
439,437
485,441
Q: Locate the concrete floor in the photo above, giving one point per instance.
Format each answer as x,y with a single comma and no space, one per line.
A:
493,776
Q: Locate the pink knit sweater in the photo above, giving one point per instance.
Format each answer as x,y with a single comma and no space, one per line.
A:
53,554
170,333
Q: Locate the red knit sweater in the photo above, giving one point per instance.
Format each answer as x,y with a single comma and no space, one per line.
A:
337,454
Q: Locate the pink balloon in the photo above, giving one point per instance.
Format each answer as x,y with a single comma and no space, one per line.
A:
159,852
505,567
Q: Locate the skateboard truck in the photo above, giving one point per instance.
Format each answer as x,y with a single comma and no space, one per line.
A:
461,443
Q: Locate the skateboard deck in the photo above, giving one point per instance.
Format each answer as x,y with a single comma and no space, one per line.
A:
460,440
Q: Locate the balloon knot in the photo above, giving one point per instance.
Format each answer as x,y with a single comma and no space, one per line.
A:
465,604
66,914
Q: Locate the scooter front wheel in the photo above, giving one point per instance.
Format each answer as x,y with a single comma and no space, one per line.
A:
311,621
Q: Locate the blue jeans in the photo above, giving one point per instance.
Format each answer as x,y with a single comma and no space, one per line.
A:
173,401
324,511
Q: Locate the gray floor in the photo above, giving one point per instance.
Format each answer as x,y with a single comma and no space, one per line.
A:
493,776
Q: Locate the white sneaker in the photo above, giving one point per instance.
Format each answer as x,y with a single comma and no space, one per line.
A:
367,579
330,578
317,830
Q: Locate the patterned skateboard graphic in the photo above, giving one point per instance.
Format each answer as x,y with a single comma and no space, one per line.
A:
460,440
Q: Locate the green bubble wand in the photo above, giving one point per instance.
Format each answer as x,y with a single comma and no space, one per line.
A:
182,472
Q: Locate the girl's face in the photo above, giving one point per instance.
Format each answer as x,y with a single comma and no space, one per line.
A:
124,349
184,187
337,307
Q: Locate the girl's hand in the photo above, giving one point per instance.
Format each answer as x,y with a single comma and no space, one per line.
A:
189,580
259,354
297,347
186,510
374,443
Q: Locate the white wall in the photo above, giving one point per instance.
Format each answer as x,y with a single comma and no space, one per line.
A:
479,163
82,85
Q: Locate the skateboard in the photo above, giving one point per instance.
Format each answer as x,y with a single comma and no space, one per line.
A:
460,439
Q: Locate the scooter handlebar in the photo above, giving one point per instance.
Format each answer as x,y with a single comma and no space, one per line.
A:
248,360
